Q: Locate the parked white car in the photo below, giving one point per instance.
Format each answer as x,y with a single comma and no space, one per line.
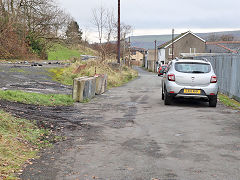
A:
190,78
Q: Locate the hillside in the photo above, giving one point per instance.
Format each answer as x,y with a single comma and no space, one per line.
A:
147,41
61,51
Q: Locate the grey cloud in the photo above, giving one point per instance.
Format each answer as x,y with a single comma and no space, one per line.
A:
150,14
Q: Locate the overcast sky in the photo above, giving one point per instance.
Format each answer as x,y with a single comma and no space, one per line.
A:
160,16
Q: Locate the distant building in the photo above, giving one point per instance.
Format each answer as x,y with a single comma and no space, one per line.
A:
151,60
223,47
187,42
137,55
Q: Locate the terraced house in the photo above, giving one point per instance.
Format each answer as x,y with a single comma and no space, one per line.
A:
137,56
187,42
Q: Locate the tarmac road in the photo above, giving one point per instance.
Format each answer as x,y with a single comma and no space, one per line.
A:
129,134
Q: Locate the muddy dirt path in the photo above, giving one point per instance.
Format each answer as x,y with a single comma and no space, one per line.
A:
128,134
30,78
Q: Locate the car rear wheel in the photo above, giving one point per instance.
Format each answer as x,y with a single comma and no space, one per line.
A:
162,94
167,98
213,101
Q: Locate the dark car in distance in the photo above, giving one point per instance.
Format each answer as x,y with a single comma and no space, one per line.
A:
161,69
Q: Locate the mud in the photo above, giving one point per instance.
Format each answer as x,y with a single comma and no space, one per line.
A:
31,78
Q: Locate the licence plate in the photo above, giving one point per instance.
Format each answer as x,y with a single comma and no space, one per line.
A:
192,91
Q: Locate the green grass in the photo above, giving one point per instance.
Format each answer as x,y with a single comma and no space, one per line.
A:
62,75
18,70
36,98
115,77
64,52
20,141
60,52
229,102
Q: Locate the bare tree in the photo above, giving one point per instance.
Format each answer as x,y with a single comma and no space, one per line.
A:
213,38
224,37
99,20
227,37
110,25
32,21
85,37
106,24
125,31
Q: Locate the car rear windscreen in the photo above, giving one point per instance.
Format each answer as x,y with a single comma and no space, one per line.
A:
192,67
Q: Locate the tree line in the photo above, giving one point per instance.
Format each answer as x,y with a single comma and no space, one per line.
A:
28,26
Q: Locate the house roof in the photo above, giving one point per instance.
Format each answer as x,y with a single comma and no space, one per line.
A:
223,42
169,43
224,46
137,49
191,55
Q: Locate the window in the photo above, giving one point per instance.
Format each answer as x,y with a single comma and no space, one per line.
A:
170,51
192,50
134,53
190,67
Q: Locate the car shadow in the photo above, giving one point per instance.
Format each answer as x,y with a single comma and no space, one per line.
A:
189,102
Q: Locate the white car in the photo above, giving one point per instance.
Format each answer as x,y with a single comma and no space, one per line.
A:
189,78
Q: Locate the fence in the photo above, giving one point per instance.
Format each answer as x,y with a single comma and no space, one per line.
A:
227,69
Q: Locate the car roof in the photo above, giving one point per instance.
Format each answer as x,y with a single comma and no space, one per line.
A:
192,60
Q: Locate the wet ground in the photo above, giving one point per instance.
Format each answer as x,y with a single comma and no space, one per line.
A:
30,78
128,133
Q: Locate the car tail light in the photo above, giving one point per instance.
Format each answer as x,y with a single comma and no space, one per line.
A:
213,79
171,77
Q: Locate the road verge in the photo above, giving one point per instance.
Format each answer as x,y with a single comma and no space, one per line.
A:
20,141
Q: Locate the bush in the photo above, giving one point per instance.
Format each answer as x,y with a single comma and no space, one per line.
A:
37,45
12,45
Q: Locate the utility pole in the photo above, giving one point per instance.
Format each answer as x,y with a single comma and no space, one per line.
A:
124,48
172,44
118,44
155,55
129,49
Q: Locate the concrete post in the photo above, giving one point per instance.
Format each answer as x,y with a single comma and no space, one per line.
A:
84,88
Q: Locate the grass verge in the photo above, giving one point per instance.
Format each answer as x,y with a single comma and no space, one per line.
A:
116,76
62,52
59,52
20,140
36,98
228,101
